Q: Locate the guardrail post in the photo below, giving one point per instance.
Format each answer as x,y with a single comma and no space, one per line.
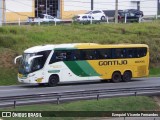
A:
135,94
91,19
19,22
55,23
156,16
97,97
140,19
14,104
58,101
125,20
39,23
0,23
107,19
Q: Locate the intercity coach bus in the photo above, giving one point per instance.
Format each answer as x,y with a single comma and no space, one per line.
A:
52,64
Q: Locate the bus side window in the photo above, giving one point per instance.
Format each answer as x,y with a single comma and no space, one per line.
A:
89,54
69,55
104,53
60,56
130,52
57,56
41,61
141,52
76,55
120,53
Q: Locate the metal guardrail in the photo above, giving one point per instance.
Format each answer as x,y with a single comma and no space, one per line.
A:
108,20
76,95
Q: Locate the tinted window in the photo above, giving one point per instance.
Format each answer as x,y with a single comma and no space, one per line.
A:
88,54
141,52
104,53
84,17
90,17
94,54
119,53
94,12
130,52
76,55
132,14
136,52
38,63
61,55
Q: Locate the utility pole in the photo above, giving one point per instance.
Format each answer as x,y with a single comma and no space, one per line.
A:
46,6
37,10
116,11
1,14
92,4
4,11
158,7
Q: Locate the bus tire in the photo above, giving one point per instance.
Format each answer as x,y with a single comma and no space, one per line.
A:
116,77
127,76
53,80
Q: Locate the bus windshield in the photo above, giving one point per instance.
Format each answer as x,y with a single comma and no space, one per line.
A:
35,64
24,66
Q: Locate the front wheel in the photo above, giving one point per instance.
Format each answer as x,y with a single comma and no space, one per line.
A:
116,77
53,80
103,18
127,76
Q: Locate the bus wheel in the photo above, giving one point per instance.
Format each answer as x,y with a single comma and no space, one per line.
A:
53,80
127,76
116,77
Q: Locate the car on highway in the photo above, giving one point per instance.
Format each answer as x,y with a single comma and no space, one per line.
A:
97,14
130,17
43,18
84,19
135,11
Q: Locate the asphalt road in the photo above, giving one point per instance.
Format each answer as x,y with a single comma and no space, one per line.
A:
26,89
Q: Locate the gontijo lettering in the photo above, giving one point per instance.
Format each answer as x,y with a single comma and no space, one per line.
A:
115,62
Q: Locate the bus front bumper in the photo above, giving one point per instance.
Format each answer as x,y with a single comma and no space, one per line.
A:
25,79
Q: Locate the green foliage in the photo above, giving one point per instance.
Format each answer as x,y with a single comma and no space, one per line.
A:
138,103
155,72
8,76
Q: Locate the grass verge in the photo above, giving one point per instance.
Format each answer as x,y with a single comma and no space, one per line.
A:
139,103
154,72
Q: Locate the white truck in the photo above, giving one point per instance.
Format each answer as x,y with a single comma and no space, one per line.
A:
43,18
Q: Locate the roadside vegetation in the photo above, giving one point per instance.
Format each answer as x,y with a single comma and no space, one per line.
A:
138,103
15,39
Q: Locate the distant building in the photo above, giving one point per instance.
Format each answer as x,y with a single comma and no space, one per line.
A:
13,10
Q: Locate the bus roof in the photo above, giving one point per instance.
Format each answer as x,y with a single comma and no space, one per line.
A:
40,48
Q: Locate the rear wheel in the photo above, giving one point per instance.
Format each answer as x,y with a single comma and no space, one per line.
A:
127,76
116,77
103,18
53,80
